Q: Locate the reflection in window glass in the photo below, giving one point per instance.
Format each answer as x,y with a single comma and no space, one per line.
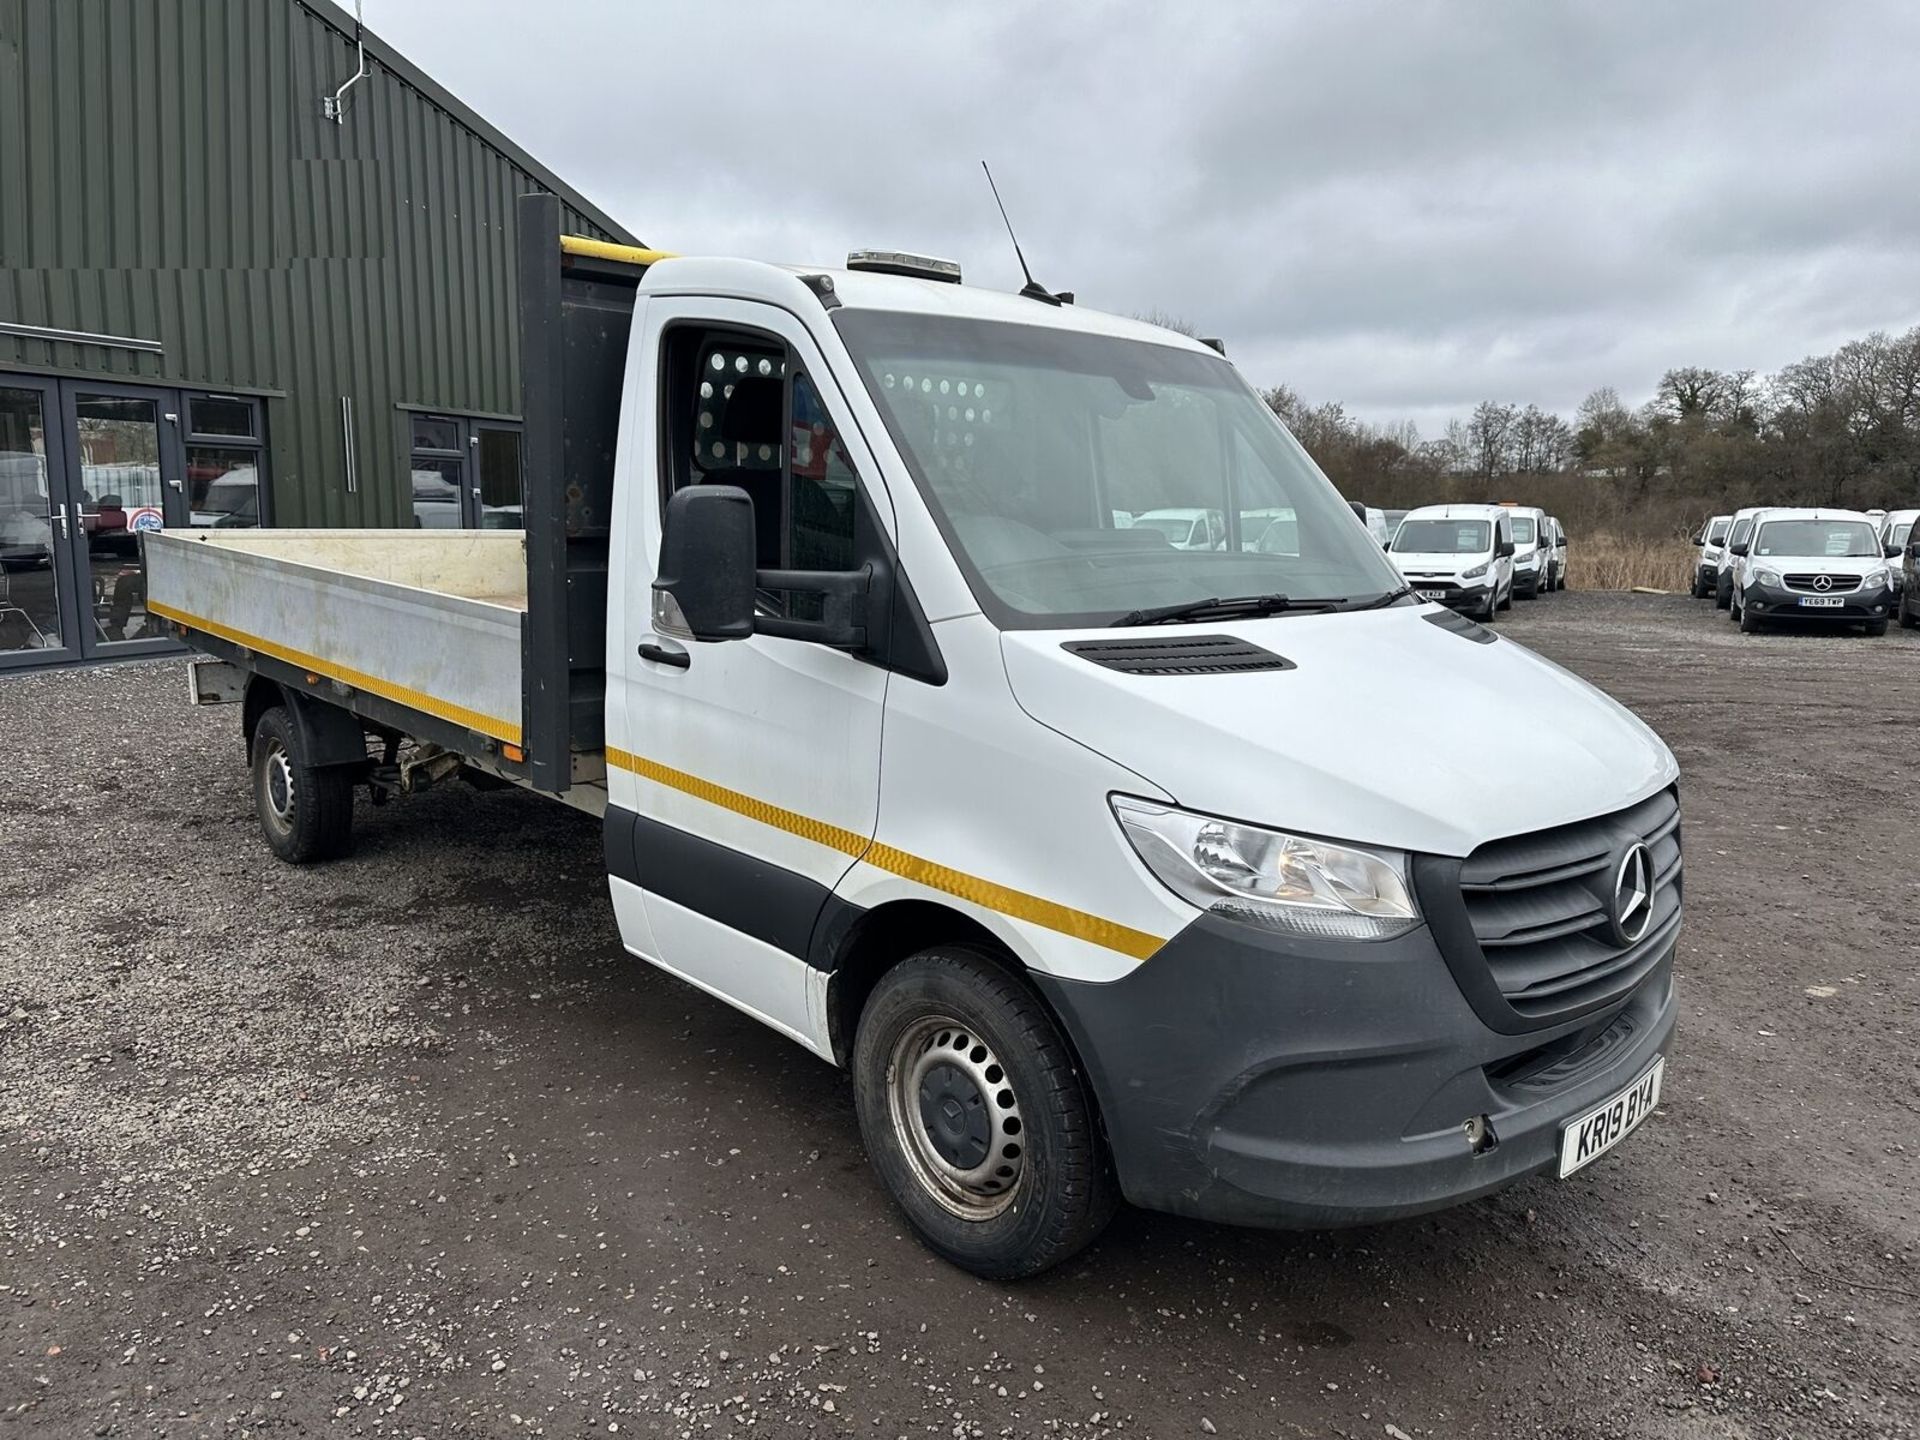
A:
436,494
501,499
223,487
29,600
220,415
432,432
119,439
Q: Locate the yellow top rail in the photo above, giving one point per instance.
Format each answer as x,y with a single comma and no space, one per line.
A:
607,250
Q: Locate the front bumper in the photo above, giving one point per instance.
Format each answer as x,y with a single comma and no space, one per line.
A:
1779,603
1468,595
1261,1080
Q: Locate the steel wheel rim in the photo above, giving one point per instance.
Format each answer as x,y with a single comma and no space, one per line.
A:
936,1064
277,791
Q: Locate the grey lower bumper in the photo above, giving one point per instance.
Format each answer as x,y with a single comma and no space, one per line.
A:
1253,1079
1778,603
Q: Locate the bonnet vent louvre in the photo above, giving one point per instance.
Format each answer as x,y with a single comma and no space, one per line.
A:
1460,625
1185,655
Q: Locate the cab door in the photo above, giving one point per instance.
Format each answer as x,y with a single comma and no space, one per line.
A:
743,776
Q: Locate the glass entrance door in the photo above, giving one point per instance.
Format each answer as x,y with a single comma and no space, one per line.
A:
39,615
122,475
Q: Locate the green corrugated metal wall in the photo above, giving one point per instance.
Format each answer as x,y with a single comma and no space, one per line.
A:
166,173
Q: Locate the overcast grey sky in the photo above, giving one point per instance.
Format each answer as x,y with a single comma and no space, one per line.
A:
1410,207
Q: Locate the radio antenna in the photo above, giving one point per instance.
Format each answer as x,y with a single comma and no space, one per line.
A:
1033,289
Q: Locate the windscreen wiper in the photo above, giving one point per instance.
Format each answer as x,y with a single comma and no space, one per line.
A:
1387,598
1218,609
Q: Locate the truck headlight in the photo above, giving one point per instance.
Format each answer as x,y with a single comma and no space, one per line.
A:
1764,576
1477,571
1288,883
1874,579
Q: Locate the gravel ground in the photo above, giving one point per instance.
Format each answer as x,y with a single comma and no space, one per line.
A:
406,1146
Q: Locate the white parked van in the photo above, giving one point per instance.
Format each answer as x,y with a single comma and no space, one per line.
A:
1895,531
1712,541
1186,528
1109,866
1459,555
1803,565
1739,530
1532,549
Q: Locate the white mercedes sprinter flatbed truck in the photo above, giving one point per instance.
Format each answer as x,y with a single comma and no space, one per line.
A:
1109,868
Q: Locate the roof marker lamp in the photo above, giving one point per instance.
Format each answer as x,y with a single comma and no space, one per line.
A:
1311,889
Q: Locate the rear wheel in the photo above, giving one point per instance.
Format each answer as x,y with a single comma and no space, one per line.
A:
976,1117
305,812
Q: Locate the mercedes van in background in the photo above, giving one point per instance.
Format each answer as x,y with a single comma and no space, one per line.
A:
1108,868
1814,565
1460,556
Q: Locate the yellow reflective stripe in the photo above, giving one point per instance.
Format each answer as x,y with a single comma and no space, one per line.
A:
607,250
446,710
985,893
792,821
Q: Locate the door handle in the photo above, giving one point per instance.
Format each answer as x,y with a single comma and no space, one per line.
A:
660,655
59,517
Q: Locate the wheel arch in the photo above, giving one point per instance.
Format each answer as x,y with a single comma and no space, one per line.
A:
856,947
329,735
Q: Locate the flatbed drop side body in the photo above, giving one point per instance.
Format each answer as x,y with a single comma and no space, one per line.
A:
1086,933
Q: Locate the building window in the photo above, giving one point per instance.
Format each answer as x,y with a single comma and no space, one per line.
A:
226,462
465,472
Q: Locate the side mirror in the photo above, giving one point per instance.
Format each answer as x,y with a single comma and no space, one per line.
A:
1699,540
1892,550
1740,549
706,560
1506,547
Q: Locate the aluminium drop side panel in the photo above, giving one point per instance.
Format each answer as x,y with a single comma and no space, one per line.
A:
398,628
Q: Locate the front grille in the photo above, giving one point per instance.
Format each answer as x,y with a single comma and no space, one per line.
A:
1527,922
1836,584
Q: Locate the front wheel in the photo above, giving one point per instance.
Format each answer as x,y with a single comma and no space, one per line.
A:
305,812
1876,627
1908,620
976,1117
1749,624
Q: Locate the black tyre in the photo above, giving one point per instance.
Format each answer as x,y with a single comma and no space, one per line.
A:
1908,620
976,1116
1749,625
1699,586
1507,604
1492,608
305,813
1876,627
1722,597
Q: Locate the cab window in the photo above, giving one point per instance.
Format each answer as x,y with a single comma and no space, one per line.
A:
739,412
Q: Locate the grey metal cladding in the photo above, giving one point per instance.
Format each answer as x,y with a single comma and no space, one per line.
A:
165,172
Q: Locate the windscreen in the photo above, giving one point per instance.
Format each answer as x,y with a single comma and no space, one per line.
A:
1444,537
1832,539
1523,529
1717,531
1898,532
1080,477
